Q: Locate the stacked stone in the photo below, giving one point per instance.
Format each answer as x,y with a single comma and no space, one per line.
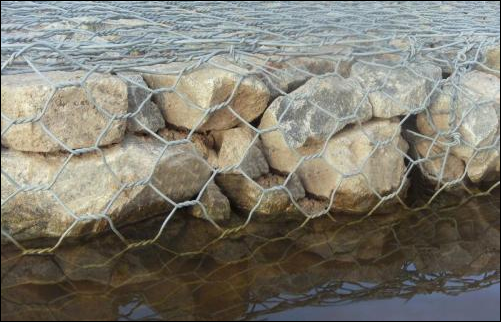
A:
461,127
322,131
79,157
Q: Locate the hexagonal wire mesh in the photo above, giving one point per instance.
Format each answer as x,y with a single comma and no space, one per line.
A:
293,109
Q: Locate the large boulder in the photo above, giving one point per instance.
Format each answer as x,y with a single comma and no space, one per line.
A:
467,116
397,90
75,115
358,164
211,84
309,116
83,187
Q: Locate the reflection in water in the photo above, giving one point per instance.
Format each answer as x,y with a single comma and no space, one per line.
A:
268,268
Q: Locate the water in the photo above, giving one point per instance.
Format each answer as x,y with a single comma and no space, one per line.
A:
434,264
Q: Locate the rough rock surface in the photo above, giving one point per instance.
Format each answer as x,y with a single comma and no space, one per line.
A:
207,87
202,143
232,146
149,115
71,116
245,194
216,204
394,90
86,187
471,115
284,76
356,169
308,116
435,156
491,60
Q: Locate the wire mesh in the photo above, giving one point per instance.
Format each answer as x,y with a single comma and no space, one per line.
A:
113,112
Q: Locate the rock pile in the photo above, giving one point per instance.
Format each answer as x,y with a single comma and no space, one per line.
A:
83,152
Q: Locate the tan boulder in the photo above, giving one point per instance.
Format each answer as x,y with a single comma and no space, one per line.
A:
354,171
74,116
433,166
466,117
491,60
238,147
85,188
197,90
202,143
245,194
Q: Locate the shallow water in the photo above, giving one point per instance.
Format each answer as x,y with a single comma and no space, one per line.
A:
433,264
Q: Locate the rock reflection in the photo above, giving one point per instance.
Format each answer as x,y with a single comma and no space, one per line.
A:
269,267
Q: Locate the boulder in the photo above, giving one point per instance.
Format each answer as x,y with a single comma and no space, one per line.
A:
284,75
203,143
245,194
396,90
85,187
236,147
216,204
468,114
205,87
309,116
75,115
478,107
434,157
353,169
149,114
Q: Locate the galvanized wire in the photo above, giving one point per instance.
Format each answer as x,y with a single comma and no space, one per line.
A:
120,37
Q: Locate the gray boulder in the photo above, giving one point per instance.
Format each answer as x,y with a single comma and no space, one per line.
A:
395,90
309,116
149,115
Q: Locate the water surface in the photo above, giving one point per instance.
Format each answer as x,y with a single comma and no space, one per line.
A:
440,263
